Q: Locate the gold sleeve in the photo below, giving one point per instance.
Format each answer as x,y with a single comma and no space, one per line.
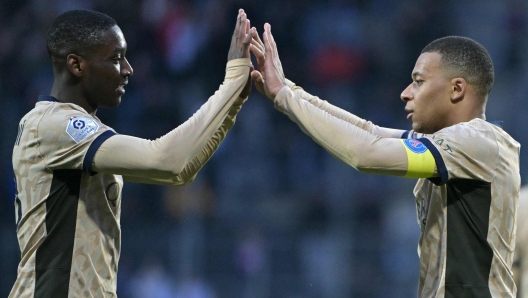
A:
366,152
177,157
345,115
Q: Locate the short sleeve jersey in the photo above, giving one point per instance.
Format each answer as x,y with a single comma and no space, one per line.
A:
468,214
67,216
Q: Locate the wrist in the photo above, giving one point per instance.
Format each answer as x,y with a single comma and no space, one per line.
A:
279,90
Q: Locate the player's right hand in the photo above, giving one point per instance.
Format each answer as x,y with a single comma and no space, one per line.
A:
241,37
269,79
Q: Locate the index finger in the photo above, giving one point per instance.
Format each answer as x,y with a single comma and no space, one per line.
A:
258,40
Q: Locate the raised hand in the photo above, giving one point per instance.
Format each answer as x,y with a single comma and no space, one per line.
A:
269,78
241,38
258,50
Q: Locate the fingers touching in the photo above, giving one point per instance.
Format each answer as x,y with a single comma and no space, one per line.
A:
241,38
269,77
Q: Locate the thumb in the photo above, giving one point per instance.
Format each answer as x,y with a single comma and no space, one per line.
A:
257,78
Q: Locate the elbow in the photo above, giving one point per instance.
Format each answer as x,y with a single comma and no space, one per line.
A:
186,175
362,163
362,168
180,180
187,180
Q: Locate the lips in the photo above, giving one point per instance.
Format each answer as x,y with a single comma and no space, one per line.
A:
121,87
409,116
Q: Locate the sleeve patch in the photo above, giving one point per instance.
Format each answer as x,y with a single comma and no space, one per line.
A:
415,145
79,128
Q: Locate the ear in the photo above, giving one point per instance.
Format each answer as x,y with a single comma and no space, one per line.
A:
76,65
458,89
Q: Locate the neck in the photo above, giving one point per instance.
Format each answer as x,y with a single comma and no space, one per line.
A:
71,94
468,109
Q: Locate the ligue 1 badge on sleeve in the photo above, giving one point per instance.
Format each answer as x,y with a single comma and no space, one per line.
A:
79,128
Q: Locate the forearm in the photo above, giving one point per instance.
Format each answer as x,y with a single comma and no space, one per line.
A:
347,142
344,115
180,154
191,169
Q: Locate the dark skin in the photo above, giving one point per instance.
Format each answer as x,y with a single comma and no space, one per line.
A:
94,79
98,78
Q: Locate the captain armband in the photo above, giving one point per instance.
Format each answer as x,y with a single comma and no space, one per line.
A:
420,161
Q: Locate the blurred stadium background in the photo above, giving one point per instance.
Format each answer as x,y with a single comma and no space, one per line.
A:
272,214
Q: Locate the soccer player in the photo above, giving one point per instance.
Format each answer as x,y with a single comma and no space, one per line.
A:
468,168
70,167
520,260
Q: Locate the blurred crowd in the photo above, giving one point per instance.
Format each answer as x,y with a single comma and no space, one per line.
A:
272,214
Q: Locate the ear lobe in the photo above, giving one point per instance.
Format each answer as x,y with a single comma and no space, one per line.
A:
75,64
458,89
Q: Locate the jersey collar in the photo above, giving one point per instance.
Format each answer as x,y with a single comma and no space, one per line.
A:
47,98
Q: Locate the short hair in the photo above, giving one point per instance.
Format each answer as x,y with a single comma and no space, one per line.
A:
77,31
464,57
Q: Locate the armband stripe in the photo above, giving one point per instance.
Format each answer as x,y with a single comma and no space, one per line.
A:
440,165
420,161
90,154
405,135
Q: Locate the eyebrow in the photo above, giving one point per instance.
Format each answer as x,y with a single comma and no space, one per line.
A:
416,73
120,49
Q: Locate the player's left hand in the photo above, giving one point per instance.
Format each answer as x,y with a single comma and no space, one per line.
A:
241,37
257,48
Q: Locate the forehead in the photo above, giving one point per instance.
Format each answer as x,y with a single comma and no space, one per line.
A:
428,64
114,41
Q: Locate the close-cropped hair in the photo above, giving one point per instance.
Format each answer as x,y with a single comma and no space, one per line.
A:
76,32
465,58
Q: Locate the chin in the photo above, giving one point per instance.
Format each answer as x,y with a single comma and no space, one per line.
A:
420,129
416,127
114,103
426,131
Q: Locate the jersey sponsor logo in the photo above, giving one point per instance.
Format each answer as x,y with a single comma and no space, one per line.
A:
415,146
445,147
79,128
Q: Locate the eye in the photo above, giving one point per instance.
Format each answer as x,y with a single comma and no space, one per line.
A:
116,60
418,82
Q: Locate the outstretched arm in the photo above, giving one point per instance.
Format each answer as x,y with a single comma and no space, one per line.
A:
177,157
258,76
188,173
346,116
347,142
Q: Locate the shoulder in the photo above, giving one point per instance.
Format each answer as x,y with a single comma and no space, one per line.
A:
68,120
473,135
468,130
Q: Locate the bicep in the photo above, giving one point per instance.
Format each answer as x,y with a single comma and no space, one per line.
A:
398,157
129,156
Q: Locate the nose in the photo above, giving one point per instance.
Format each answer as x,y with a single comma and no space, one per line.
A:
406,95
127,69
